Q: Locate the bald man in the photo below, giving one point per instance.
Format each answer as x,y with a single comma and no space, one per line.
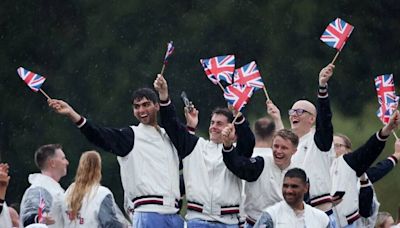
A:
315,144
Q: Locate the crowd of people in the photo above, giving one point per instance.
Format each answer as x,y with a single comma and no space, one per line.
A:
271,176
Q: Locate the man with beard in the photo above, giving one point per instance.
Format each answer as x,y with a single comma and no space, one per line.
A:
148,160
293,211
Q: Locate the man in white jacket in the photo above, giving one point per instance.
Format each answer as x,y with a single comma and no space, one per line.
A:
5,218
51,161
292,211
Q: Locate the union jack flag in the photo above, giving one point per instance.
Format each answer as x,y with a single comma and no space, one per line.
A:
41,208
170,50
208,73
385,89
33,80
386,111
220,67
249,75
238,95
337,33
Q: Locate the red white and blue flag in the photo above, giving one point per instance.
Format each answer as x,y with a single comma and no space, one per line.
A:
385,89
238,95
33,80
385,111
387,97
219,68
337,33
170,50
249,75
41,208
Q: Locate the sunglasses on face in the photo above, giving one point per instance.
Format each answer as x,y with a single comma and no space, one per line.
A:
298,112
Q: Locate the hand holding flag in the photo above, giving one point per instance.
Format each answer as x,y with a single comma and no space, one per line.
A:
387,98
168,53
336,35
32,80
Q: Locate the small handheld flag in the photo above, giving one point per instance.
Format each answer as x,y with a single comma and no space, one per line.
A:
32,80
238,95
168,53
336,35
387,97
220,67
249,75
41,208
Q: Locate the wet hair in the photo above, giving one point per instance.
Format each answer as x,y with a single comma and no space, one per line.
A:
264,128
297,173
346,140
288,135
43,153
145,93
223,111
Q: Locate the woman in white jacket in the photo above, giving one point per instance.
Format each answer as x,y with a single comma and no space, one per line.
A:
87,203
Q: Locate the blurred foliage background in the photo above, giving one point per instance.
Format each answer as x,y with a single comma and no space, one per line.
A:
94,54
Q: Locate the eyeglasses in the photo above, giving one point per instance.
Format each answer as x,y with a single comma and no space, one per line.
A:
298,112
339,145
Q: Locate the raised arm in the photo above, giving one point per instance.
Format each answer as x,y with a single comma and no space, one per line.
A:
118,141
183,141
382,168
243,167
362,158
323,129
274,112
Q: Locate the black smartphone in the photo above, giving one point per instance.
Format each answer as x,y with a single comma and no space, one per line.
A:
339,194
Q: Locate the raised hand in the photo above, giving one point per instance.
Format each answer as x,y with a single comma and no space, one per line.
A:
275,114
228,135
161,86
392,125
325,74
192,116
63,108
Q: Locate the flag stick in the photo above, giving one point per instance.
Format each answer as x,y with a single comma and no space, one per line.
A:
44,93
266,93
394,133
223,90
334,59
162,70
237,116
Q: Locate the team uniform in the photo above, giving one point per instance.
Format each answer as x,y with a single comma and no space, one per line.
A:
281,215
46,188
5,219
264,181
212,191
316,148
98,210
367,192
149,170
345,171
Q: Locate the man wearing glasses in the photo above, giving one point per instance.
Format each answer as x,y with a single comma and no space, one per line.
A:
315,144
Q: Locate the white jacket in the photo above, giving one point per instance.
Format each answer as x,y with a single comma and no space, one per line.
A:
151,169
283,216
5,219
316,164
210,186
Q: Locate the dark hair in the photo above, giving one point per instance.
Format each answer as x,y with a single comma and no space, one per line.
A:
264,128
346,140
297,173
223,111
45,152
145,93
288,134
